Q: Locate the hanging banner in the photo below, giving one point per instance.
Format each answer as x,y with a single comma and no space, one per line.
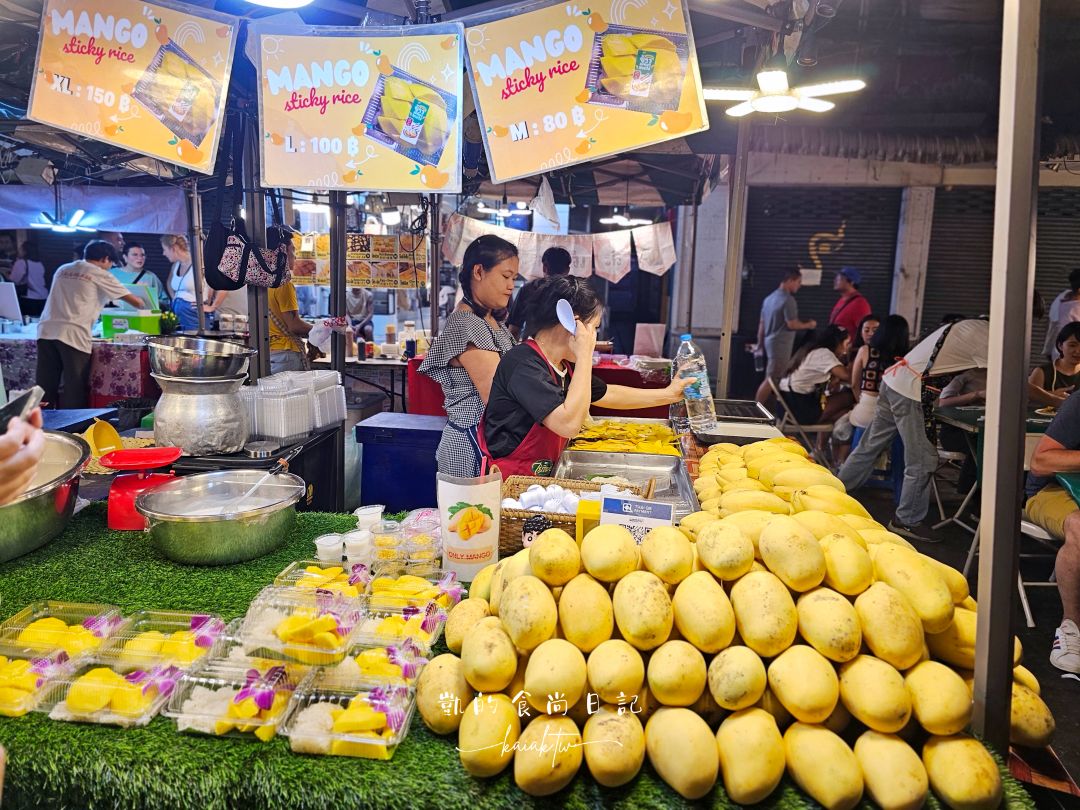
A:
655,248
147,77
562,83
388,262
370,109
611,252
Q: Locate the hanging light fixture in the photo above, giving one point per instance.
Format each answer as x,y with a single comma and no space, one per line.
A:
280,4
622,220
55,221
775,95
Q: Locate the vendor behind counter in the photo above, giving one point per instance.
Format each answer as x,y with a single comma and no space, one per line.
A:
542,389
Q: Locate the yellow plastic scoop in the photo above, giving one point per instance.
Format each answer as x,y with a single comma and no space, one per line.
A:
102,438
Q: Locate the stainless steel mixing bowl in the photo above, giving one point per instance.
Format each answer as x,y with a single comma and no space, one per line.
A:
198,519
196,357
43,511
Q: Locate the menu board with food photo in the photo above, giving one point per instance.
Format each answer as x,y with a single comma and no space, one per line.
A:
361,108
559,83
389,262
147,77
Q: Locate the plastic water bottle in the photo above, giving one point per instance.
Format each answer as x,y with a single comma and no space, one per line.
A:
700,408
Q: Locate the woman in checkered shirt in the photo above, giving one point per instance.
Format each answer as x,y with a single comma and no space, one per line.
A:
464,355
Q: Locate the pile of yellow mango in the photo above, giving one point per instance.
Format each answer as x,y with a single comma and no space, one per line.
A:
612,436
802,639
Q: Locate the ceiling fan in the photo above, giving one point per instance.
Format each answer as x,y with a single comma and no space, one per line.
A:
775,95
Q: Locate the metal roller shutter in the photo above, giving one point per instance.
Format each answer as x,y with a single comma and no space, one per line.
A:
961,253
958,263
781,226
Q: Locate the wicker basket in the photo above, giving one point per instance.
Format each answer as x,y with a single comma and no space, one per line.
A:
512,521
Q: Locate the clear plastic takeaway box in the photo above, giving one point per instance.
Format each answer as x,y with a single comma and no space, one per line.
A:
24,678
387,625
399,584
342,716
228,653
152,638
315,628
93,692
314,574
228,701
77,628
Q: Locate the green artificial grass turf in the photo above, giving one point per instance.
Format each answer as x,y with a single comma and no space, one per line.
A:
71,765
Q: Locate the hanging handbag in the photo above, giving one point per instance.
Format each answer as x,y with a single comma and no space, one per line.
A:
242,260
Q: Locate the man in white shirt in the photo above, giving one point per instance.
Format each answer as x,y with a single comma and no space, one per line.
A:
963,346
79,291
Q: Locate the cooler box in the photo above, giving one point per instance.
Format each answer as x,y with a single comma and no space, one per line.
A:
118,321
397,460
147,319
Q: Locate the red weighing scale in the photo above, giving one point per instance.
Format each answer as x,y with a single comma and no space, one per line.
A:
123,516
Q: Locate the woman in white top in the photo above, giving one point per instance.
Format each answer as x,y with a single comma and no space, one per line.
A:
816,365
181,282
28,272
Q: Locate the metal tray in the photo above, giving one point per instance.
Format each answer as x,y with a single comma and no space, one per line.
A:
634,419
673,483
738,433
742,410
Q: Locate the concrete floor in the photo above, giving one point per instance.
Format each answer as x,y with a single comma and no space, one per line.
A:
1062,694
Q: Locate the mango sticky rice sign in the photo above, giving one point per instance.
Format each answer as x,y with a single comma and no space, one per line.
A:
562,83
147,77
362,108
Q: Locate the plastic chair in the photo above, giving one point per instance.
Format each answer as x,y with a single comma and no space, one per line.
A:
1032,531
790,426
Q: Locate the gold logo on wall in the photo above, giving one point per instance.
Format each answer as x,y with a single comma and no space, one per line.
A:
819,245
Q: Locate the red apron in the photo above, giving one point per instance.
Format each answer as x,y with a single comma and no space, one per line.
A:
538,452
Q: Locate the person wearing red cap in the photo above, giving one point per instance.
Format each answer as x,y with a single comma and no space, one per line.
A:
852,306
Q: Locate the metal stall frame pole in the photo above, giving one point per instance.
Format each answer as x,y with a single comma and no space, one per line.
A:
733,262
1011,282
434,258
195,243
338,205
693,260
423,15
258,308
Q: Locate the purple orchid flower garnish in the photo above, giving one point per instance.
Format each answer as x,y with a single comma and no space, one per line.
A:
47,667
388,701
164,679
343,609
360,575
407,656
433,614
207,629
260,687
101,626
449,586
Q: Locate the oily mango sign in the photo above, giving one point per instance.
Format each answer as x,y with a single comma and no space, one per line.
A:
361,109
147,77
562,83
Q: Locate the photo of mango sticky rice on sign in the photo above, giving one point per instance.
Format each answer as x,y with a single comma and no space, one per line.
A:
410,116
179,93
637,69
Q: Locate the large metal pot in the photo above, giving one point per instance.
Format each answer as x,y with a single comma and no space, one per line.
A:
43,511
197,520
197,357
201,417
